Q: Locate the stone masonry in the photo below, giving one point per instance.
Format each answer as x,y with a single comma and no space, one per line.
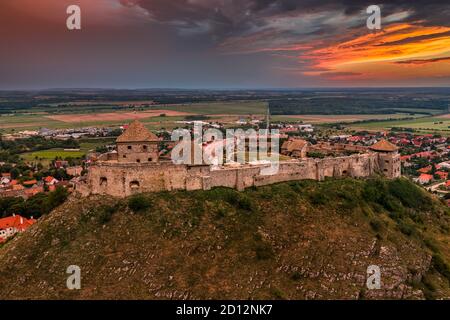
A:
114,176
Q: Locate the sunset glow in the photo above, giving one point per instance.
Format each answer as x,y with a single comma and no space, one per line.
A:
181,43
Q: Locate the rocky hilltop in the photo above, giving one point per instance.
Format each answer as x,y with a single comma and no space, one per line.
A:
297,240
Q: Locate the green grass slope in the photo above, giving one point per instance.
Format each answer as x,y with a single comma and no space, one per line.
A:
298,240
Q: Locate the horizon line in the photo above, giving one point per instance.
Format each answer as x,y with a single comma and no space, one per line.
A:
223,88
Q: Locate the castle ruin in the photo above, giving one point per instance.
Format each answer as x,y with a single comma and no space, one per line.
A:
136,167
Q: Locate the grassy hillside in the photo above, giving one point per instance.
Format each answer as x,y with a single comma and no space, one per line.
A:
298,240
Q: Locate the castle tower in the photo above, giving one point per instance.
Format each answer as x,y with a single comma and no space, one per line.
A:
137,144
388,158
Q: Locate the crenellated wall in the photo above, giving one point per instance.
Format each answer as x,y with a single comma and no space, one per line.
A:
124,179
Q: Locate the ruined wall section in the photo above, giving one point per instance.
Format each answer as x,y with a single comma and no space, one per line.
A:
336,147
137,152
124,179
390,164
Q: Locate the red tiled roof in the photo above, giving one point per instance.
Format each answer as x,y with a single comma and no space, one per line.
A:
424,154
17,222
49,179
137,132
294,145
384,146
442,174
425,177
355,138
425,169
30,182
33,191
405,158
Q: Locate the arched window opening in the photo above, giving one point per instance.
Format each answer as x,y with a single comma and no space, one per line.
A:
134,184
103,181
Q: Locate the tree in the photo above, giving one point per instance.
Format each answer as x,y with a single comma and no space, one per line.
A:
57,197
10,205
15,173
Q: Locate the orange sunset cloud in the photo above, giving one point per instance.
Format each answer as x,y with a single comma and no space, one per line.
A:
399,51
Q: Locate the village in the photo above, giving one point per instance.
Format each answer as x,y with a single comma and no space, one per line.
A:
424,159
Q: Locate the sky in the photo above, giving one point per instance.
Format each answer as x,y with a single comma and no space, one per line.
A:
223,44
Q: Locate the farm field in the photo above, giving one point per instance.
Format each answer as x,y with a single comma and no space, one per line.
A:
51,154
226,111
322,119
173,113
419,110
19,123
46,156
114,116
24,121
439,124
103,103
219,108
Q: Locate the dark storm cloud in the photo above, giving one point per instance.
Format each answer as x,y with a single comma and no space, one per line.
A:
246,26
241,16
200,43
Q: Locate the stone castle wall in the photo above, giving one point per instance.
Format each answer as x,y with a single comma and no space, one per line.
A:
124,179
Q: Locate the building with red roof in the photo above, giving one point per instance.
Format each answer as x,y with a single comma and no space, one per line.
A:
33,191
29,182
50,181
405,158
442,175
425,169
18,187
425,178
9,226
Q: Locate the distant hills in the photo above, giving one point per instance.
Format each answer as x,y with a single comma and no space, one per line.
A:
281,101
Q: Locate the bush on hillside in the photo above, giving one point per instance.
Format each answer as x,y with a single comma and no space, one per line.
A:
106,212
409,194
138,203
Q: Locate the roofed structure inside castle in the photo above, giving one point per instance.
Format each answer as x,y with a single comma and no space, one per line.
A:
137,144
137,132
384,146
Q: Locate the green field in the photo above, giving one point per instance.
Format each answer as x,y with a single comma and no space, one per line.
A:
422,124
219,110
326,119
18,122
235,107
25,121
51,154
86,146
